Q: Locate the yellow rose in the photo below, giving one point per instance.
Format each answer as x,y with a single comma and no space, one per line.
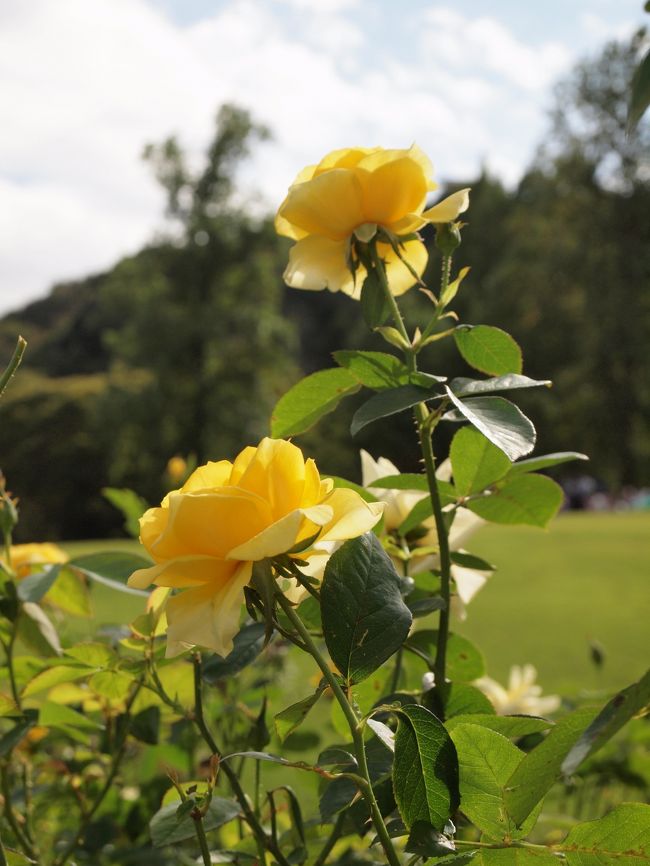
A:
26,558
353,192
206,536
398,506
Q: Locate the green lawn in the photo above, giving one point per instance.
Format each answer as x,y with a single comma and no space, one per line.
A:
587,578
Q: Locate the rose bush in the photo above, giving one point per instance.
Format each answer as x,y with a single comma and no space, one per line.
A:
352,193
205,537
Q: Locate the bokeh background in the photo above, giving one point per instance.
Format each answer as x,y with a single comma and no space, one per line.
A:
145,146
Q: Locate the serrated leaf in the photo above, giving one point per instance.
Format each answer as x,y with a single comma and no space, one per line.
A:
54,676
403,481
512,856
425,770
534,464
287,720
476,463
488,349
113,685
610,720
53,715
500,421
92,654
621,837
531,500
310,399
389,402
248,643
463,387
486,762
168,827
541,767
364,616
512,727
377,370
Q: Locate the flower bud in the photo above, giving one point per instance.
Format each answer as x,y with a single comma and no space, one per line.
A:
447,237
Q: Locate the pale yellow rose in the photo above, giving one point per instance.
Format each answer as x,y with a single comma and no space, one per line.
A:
399,503
522,696
26,558
352,193
206,536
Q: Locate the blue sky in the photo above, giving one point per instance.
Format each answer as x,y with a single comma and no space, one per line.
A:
87,84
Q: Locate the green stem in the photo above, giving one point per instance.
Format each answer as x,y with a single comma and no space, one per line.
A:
424,432
331,840
120,749
251,819
353,723
3,859
12,366
197,817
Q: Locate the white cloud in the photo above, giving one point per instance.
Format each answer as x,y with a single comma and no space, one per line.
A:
86,85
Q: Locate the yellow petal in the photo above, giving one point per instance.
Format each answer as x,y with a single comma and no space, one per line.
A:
392,190
277,474
352,515
210,524
346,157
329,205
400,278
449,208
282,535
184,571
241,463
203,617
208,477
319,263
152,525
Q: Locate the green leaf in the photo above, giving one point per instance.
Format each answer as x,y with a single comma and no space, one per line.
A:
533,464
512,856
640,95
15,858
377,370
464,661
59,716
424,507
247,645
13,736
34,586
462,699
609,720
512,381
37,631
130,504
54,676
92,654
292,717
509,726
113,685
541,767
364,616
469,560
476,462
532,500
425,770
112,569
311,398
488,349
503,423
403,481
389,402
428,842
168,827
486,761
70,593
375,308
622,836
7,705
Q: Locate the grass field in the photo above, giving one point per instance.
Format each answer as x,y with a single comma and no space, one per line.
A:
587,578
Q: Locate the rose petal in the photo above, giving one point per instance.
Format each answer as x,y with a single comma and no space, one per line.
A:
449,208
317,263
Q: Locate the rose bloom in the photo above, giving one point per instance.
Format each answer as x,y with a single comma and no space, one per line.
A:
522,696
353,192
205,537
399,503
26,558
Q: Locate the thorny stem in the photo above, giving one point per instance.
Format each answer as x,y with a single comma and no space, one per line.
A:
424,432
355,730
251,819
12,366
120,749
197,817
